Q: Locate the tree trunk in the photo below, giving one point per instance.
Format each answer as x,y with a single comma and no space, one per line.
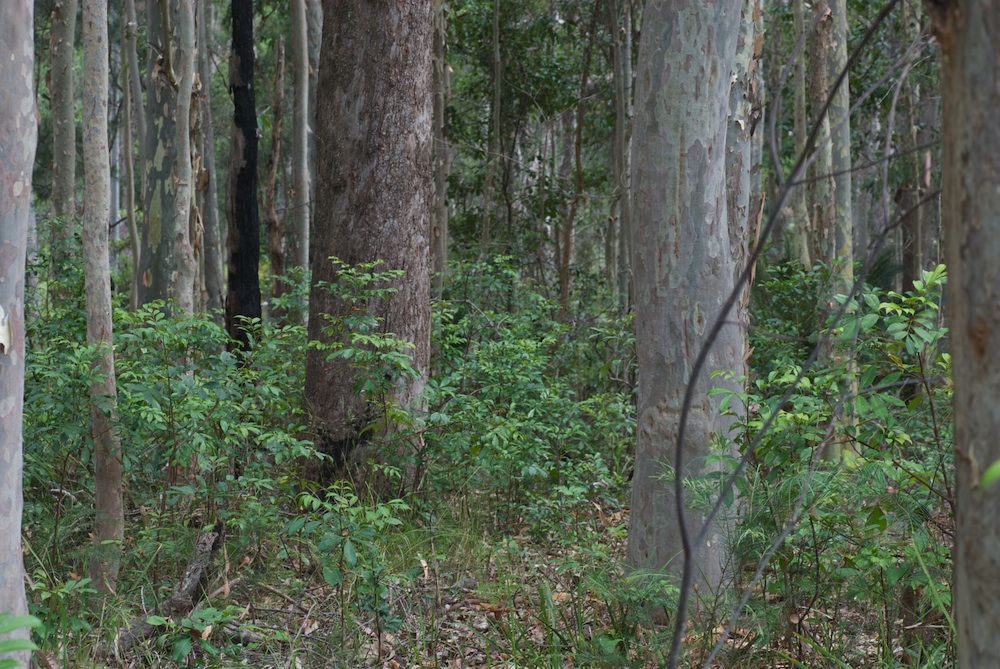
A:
209,185
495,145
683,268
243,298
273,224
18,137
441,151
166,265
373,194
63,104
300,195
314,21
970,139
821,204
840,141
909,192
109,515
801,221
620,26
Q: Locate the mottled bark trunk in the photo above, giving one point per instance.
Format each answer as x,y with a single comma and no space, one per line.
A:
300,195
109,515
970,173
18,137
373,194
442,152
166,263
683,268
209,184
63,103
243,297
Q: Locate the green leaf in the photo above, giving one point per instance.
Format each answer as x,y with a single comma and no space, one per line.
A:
333,576
156,620
181,648
10,623
991,474
350,554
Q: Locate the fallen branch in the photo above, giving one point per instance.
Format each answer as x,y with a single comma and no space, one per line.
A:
187,593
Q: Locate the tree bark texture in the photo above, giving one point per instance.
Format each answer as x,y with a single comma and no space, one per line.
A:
300,195
243,297
840,148
374,191
442,151
209,184
63,97
314,24
166,265
683,266
821,204
967,32
801,224
18,138
109,515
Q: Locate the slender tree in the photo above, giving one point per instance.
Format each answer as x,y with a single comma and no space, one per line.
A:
373,193
63,96
683,268
300,196
243,298
18,138
442,152
209,184
109,516
967,32
801,224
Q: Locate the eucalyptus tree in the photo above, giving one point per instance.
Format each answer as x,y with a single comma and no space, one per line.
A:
684,268
966,31
373,194
18,139
167,263
109,515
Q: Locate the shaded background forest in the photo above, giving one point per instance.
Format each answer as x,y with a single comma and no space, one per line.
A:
479,517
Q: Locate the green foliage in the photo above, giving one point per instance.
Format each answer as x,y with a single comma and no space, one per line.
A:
872,529
202,629
8,624
348,539
508,420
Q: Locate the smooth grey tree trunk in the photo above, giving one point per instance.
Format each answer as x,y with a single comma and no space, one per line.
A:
683,268
18,138
298,219
109,518
373,194
63,97
970,174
